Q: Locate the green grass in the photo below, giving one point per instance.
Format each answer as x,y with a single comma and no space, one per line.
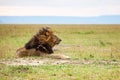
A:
89,42
60,72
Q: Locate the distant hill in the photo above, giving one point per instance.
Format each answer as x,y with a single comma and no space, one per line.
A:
1,22
112,19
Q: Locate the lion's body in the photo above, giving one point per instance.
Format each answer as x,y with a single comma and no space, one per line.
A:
41,44
21,52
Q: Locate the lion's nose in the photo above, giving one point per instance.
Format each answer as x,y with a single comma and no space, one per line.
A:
60,40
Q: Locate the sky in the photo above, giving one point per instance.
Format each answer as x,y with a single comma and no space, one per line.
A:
81,8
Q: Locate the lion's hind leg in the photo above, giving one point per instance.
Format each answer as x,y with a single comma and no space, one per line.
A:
23,52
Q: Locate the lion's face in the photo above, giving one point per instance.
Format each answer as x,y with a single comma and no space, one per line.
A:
54,40
46,35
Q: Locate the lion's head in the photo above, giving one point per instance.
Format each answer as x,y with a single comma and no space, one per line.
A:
44,37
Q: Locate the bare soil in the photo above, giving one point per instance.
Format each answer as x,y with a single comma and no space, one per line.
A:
48,61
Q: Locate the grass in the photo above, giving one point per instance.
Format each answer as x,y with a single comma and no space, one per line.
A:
88,42
60,72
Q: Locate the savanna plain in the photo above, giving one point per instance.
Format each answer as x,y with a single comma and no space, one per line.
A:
94,52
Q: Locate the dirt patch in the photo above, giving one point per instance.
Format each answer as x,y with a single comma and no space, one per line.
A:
46,61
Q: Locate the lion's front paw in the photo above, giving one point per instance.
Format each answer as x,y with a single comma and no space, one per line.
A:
59,56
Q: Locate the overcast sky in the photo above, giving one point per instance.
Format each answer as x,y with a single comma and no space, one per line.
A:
59,7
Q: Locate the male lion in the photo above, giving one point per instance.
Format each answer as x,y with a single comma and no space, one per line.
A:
41,44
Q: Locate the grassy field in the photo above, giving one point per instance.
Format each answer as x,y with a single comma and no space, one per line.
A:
80,42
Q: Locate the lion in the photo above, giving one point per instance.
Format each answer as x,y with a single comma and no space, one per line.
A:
41,44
